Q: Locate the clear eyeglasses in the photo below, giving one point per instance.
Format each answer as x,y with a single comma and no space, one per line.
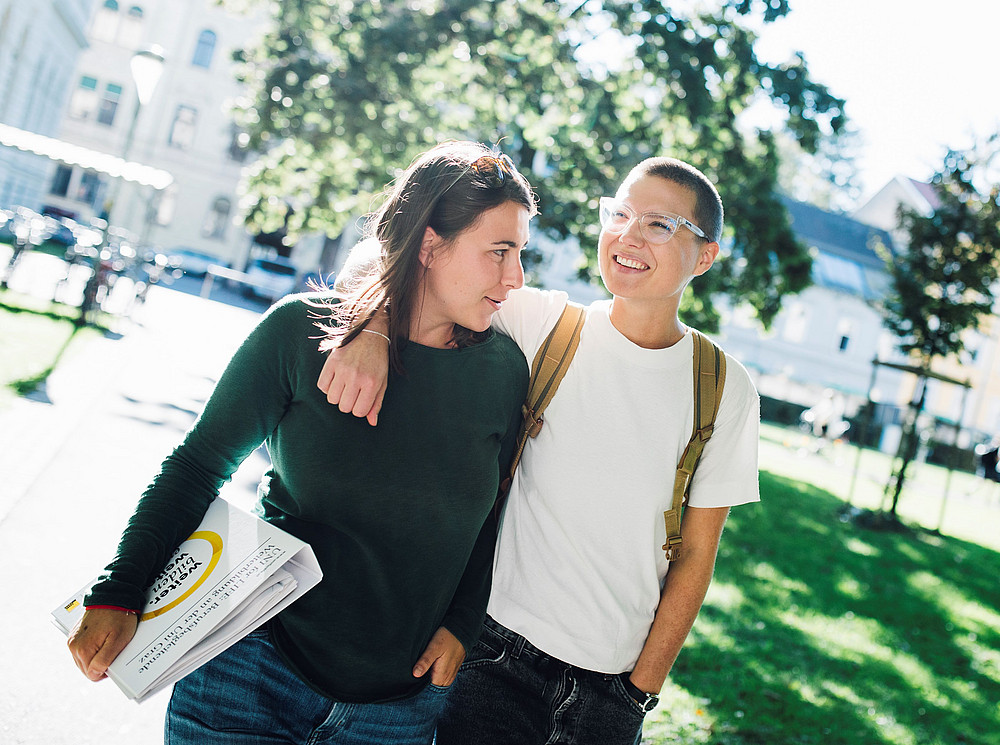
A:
655,227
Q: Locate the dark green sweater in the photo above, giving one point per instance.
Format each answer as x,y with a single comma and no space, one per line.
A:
397,514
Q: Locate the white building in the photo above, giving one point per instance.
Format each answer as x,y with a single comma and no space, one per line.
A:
185,129
825,338
40,41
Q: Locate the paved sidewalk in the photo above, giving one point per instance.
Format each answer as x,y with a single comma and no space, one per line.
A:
73,461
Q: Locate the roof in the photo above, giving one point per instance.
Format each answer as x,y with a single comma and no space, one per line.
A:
845,250
75,155
927,192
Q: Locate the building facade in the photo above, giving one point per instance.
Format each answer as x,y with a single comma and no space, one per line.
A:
824,340
40,42
184,129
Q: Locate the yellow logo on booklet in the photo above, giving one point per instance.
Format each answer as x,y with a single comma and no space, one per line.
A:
188,568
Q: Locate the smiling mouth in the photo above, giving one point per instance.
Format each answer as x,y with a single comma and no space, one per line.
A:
630,263
495,303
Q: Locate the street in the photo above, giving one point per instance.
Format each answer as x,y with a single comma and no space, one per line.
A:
74,457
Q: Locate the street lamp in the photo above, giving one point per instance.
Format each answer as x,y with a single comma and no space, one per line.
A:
147,67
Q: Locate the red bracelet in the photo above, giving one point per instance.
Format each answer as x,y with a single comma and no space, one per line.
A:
112,607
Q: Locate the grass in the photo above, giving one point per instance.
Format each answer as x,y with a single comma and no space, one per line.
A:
818,631
34,336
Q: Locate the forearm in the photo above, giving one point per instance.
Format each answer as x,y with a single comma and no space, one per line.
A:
683,593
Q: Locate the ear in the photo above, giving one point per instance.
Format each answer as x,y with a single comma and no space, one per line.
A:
706,257
427,247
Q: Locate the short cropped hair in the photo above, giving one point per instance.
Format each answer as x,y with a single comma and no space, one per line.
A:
708,212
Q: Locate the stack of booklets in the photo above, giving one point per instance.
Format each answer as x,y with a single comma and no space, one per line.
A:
233,574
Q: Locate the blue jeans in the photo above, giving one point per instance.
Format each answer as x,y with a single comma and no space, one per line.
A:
247,695
511,693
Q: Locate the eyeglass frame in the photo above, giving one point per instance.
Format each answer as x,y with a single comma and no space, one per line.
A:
606,202
494,167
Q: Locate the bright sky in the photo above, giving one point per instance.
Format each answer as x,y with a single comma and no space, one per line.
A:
918,76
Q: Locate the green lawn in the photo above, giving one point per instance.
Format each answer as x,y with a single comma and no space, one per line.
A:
817,631
34,336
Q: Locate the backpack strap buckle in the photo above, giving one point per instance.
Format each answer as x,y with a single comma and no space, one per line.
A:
532,424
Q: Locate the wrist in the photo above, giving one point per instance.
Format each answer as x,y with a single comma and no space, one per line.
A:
127,611
646,701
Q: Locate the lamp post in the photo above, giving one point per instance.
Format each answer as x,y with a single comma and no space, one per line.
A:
147,66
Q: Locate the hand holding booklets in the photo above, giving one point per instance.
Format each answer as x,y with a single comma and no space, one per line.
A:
234,573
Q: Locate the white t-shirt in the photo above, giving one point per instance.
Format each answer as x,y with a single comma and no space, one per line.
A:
579,565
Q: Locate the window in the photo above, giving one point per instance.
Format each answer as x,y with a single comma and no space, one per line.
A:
217,218
109,104
130,32
105,26
83,104
182,130
89,190
205,49
844,332
60,182
836,271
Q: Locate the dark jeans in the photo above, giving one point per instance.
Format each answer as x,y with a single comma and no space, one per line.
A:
248,696
511,693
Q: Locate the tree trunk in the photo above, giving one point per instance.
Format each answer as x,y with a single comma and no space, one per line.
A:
909,443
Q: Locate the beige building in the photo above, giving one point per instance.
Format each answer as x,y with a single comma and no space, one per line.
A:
184,129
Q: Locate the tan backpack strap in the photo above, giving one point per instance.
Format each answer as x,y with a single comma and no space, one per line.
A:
709,366
547,371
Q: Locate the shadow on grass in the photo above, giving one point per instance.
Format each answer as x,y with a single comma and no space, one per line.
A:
33,386
818,631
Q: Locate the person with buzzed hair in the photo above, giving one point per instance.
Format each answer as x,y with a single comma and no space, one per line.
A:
587,615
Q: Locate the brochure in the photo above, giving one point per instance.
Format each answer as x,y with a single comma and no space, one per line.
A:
235,572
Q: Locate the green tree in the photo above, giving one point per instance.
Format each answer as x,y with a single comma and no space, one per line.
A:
944,282
342,94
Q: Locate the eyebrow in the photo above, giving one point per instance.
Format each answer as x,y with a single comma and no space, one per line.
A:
512,244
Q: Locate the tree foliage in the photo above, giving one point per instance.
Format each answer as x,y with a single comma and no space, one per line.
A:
945,281
344,94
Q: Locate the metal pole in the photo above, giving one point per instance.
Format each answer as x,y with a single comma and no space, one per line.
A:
859,442
947,481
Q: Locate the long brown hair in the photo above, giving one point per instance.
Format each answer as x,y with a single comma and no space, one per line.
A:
441,190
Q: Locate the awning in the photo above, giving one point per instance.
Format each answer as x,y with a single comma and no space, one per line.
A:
75,155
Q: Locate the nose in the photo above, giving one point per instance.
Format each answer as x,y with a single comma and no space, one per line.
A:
632,234
513,274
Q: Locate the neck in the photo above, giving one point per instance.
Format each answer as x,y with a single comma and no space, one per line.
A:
647,326
439,336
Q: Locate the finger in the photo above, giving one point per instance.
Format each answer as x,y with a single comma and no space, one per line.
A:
377,406
325,376
83,645
334,390
105,656
425,663
348,398
365,401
